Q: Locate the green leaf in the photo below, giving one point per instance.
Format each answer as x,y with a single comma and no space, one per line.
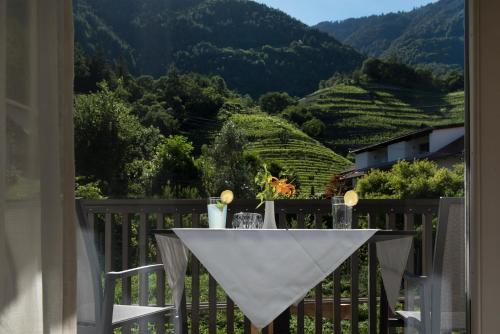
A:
220,206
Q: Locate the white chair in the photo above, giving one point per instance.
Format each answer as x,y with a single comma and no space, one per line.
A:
97,312
442,294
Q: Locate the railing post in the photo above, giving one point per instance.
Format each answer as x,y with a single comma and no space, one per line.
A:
337,315
160,278
318,292
427,243
409,224
212,305
195,284
229,302
183,313
282,323
390,225
372,281
126,283
300,307
108,243
143,278
355,284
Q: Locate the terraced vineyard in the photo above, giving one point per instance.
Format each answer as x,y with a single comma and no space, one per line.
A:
357,116
274,139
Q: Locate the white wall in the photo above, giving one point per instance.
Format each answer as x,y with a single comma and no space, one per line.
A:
370,158
397,151
442,137
362,160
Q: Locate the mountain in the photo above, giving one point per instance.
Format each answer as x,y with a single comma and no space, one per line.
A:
432,34
255,48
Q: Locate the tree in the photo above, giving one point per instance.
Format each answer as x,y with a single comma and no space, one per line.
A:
275,102
335,187
314,127
111,145
225,165
176,167
412,180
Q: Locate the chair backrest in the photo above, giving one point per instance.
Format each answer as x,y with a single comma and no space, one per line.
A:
89,288
448,305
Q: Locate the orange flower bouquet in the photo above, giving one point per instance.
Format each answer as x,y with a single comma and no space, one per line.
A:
273,188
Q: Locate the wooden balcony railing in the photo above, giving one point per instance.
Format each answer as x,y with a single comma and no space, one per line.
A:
122,233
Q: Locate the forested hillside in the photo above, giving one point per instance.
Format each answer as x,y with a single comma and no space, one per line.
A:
255,48
433,34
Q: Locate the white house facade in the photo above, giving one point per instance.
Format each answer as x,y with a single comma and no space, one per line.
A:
443,144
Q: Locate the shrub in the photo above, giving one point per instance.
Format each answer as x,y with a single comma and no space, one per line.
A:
275,102
412,180
314,127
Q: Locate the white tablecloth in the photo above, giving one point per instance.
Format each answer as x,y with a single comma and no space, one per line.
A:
266,271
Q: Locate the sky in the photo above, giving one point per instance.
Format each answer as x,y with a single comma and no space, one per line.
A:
314,11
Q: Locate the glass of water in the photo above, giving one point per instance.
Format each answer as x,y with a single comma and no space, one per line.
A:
341,213
247,220
217,213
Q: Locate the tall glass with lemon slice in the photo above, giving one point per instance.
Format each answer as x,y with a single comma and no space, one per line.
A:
342,210
217,209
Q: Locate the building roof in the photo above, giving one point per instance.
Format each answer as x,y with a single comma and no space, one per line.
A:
455,148
415,134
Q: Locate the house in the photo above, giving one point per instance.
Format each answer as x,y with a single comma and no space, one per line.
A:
443,144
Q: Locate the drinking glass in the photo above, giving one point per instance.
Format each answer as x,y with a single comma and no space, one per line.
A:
341,213
217,213
247,220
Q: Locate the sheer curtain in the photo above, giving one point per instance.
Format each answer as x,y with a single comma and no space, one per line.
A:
37,246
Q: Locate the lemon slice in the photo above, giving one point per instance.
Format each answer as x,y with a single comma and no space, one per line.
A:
351,198
226,196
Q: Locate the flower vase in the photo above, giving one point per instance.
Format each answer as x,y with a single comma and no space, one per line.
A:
269,218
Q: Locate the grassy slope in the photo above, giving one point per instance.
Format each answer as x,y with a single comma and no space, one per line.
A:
306,156
357,116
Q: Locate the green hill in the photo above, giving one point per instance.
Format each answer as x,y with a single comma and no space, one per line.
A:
275,139
357,116
254,47
432,34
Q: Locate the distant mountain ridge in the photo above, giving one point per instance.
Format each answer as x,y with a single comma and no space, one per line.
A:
253,47
432,34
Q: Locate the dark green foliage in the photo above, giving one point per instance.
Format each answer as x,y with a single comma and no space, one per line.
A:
226,165
392,72
429,34
90,70
88,190
314,127
176,167
111,146
275,102
175,103
297,114
397,74
412,180
255,48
